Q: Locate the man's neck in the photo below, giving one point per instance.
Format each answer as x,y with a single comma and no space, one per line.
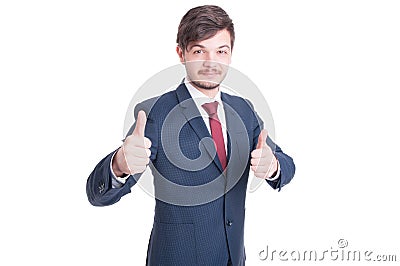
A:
208,92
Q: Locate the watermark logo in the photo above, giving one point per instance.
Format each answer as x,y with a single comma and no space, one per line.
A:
342,243
340,253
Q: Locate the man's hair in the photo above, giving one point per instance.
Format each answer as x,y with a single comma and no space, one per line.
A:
201,23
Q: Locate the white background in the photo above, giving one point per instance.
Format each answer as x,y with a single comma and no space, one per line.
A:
68,69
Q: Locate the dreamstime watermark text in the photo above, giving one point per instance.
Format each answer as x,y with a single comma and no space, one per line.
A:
341,252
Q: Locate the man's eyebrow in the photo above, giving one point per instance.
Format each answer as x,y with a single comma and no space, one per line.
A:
196,45
225,45
202,46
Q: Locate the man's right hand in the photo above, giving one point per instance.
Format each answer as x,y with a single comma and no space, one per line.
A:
133,156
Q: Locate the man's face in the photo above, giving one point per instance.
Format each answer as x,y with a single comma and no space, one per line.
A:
207,61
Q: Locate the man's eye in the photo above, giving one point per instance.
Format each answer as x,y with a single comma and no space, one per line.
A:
223,52
198,52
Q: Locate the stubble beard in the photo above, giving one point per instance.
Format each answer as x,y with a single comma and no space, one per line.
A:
205,85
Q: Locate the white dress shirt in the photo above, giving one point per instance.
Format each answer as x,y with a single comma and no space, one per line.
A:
200,99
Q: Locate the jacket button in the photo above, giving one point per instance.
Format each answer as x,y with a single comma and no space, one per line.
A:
102,187
228,223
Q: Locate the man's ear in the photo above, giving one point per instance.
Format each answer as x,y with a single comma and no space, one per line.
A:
180,53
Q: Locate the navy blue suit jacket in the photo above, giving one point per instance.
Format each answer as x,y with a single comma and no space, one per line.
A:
200,209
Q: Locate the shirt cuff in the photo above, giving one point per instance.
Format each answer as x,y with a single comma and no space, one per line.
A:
116,182
277,174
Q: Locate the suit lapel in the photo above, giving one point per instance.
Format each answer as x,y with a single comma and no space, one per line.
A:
236,131
238,142
195,120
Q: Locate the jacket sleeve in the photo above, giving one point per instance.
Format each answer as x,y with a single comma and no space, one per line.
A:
285,161
99,188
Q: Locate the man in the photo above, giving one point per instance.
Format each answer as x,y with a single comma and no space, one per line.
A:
200,144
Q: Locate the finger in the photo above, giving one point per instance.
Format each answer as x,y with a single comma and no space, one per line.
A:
254,169
140,142
138,152
257,171
262,139
140,124
258,153
260,168
139,169
260,175
148,152
259,161
147,143
137,161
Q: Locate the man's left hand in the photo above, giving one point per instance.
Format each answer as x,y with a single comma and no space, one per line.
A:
263,161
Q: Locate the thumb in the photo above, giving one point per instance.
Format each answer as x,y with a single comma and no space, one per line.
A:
140,124
262,139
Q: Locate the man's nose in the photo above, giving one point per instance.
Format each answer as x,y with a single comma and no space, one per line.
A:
210,60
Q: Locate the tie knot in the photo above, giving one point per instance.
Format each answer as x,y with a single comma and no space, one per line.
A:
211,108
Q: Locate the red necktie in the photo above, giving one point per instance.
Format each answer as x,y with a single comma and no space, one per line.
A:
216,131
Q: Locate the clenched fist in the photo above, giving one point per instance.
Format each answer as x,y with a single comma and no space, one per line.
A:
263,161
133,156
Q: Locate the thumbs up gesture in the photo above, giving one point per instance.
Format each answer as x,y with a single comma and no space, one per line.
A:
133,156
263,161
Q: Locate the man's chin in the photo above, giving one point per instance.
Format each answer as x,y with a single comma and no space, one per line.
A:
205,85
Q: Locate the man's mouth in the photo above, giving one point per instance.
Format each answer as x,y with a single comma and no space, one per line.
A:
210,73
